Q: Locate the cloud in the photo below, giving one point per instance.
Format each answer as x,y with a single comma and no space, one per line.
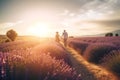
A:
9,25
103,7
103,25
92,10
110,24
73,15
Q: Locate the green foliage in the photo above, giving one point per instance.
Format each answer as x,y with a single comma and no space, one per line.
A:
11,34
112,62
109,34
116,34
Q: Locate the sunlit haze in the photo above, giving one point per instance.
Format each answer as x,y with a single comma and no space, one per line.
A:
39,29
44,17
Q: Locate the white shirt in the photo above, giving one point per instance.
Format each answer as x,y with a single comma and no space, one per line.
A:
65,35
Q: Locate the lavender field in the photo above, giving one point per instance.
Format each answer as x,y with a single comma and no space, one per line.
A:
45,59
59,39
35,60
102,51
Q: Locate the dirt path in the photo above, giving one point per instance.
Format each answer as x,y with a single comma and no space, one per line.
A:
88,71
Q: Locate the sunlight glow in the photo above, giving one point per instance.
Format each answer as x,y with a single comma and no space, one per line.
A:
39,29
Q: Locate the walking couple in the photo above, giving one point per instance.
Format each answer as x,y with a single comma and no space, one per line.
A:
64,37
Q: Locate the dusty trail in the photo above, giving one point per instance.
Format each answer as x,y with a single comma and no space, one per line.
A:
88,71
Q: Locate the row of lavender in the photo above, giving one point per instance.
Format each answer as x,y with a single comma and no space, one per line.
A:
23,60
103,51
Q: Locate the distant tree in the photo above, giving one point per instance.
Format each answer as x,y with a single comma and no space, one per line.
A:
11,34
109,34
116,34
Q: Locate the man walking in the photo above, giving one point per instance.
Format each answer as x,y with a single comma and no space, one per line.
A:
65,37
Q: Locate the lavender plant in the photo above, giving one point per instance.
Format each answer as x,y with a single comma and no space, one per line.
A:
79,46
55,50
112,62
25,63
39,67
95,52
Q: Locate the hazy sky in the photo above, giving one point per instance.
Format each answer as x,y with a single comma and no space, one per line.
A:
78,17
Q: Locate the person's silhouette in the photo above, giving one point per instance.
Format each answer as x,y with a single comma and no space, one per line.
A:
57,37
65,37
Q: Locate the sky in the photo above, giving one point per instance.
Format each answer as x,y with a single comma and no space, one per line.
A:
45,17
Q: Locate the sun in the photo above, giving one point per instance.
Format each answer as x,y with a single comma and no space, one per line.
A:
39,29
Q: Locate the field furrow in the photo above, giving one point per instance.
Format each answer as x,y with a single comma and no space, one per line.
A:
88,71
